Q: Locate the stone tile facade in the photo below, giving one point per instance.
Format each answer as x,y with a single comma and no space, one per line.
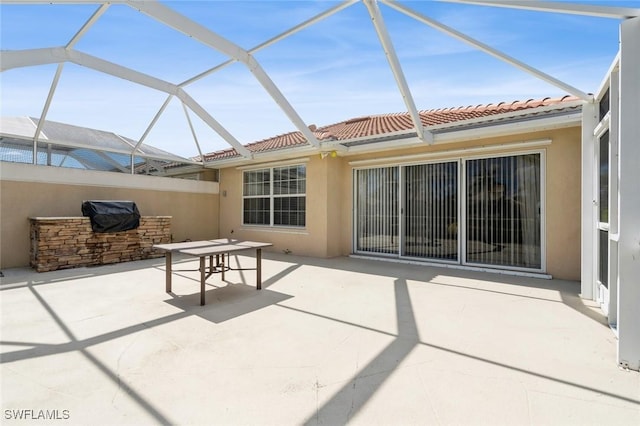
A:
69,242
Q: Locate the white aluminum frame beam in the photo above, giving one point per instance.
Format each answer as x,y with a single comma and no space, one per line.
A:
23,58
55,55
146,132
153,122
83,30
274,40
45,110
490,50
193,132
56,78
557,7
109,160
192,29
213,123
159,167
396,68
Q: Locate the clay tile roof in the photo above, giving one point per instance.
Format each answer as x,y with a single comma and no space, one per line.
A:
274,143
376,125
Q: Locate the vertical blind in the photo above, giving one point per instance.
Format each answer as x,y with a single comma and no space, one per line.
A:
377,210
603,207
431,211
503,211
502,220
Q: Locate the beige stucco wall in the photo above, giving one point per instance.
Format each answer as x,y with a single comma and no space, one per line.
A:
330,200
563,161
29,192
313,240
199,212
563,205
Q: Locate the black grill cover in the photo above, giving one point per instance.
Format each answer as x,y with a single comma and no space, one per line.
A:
111,216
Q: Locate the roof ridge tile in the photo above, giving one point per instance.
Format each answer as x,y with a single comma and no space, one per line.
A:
378,124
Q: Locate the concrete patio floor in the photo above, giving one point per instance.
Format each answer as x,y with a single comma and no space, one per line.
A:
331,341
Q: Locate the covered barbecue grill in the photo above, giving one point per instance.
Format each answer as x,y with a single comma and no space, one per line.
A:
111,215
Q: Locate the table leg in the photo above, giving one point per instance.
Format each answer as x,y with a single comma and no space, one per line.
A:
167,258
223,267
259,269
202,280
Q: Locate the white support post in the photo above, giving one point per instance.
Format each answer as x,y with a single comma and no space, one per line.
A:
629,198
614,228
587,277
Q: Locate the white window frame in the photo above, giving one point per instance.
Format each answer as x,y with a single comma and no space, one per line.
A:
606,295
271,196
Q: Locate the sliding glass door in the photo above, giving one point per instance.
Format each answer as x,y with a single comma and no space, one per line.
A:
431,211
503,211
377,210
481,212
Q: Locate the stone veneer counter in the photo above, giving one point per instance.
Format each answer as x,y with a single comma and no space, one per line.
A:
69,242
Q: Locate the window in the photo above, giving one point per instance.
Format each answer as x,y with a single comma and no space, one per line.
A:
275,196
604,105
604,177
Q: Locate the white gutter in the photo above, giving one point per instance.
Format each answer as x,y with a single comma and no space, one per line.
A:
473,134
280,154
462,123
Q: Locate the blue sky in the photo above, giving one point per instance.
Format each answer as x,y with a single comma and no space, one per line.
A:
331,71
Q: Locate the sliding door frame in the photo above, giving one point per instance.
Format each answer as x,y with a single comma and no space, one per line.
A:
543,211
402,221
461,210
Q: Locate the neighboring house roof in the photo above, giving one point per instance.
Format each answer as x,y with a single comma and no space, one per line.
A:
84,148
379,125
62,133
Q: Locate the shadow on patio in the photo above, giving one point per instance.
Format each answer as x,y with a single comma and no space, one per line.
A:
327,341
